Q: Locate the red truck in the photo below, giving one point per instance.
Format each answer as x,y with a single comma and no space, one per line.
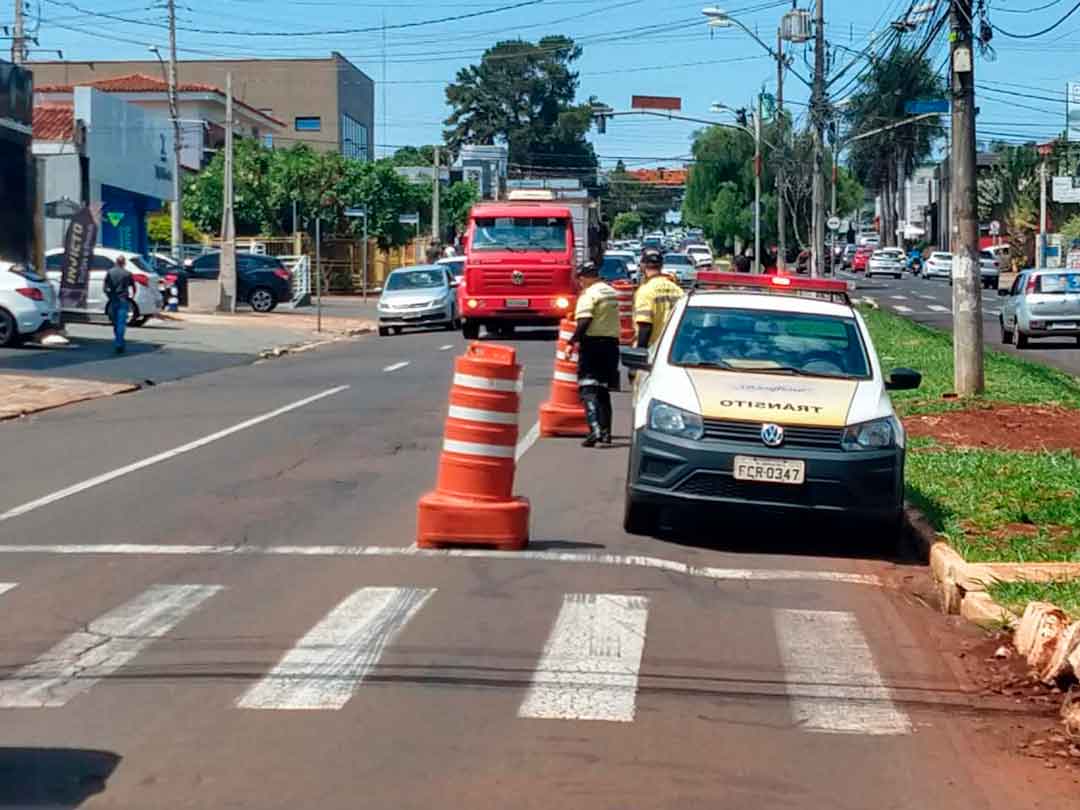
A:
520,262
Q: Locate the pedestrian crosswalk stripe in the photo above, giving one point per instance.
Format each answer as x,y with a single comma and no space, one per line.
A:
901,308
831,678
7,586
109,642
589,667
334,657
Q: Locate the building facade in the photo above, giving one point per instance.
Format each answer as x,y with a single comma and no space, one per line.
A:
17,186
328,104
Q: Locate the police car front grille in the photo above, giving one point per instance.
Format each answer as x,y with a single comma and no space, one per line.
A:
750,433
720,485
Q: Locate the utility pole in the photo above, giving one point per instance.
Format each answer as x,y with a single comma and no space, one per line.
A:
817,111
318,272
176,231
968,376
757,186
18,40
781,215
435,202
1045,150
227,274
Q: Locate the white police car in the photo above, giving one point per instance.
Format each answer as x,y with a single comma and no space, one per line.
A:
765,392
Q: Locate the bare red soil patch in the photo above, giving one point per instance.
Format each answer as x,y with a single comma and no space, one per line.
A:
1002,427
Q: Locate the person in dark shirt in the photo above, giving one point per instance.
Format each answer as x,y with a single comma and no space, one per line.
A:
119,288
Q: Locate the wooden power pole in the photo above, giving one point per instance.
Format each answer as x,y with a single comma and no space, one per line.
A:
227,274
968,376
781,134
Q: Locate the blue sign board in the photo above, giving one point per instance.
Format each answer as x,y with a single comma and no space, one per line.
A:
926,106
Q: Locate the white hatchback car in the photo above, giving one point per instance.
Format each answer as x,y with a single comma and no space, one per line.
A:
147,301
938,265
1041,303
886,262
27,303
701,254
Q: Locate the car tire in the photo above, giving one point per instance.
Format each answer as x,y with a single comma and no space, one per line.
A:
470,330
898,276
398,330
262,299
1021,340
638,517
1006,334
384,331
9,330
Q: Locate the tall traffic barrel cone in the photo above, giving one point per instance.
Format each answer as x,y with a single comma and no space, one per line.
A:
563,414
624,291
473,501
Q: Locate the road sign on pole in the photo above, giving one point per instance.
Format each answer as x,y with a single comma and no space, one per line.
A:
356,212
834,223
409,219
926,106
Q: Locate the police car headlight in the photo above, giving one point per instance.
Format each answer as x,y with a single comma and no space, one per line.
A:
675,421
878,434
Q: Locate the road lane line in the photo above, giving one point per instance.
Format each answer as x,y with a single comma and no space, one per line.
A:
589,667
938,308
831,677
901,308
527,441
396,366
109,642
324,668
104,478
898,297
6,586
446,348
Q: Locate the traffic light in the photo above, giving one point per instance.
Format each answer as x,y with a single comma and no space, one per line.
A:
740,116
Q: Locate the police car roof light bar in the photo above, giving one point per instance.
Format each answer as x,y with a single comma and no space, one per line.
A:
779,283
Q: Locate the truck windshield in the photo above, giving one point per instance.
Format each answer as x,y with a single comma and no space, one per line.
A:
520,233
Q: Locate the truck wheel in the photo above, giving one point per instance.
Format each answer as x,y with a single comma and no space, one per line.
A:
470,330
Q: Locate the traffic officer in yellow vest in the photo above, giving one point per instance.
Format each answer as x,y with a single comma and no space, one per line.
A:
654,300
597,333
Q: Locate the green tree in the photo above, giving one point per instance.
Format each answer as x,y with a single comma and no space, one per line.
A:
522,95
455,204
626,223
416,156
730,219
883,162
159,229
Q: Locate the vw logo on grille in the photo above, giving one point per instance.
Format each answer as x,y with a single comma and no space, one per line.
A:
517,277
772,435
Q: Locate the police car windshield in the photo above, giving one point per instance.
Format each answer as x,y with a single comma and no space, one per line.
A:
770,342
520,233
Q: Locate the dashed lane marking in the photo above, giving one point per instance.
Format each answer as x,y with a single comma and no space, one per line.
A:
938,308
898,297
396,366
527,441
901,308
104,478
831,677
446,348
617,560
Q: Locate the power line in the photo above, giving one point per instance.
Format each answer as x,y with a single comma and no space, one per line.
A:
1046,30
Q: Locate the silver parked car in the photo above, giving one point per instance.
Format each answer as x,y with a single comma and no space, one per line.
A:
421,295
1041,303
938,265
886,262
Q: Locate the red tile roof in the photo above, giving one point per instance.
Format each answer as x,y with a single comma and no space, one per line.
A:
54,122
660,177
141,83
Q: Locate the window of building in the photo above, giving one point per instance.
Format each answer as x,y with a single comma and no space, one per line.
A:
311,123
354,138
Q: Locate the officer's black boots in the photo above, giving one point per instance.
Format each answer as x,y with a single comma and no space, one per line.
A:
590,400
604,402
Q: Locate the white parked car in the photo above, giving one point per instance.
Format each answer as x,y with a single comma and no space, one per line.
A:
147,301
938,265
27,303
701,254
1041,303
989,269
886,262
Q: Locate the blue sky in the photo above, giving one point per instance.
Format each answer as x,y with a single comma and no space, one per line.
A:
630,46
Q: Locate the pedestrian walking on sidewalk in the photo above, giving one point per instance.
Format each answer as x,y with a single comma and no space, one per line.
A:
654,300
597,334
119,288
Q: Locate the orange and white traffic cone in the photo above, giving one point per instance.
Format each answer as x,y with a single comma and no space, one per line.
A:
624,291
473,502
563,414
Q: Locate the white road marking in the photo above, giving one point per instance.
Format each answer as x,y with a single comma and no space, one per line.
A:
446,348
104,478
617,560
324,668
7,586
396,366
830,674
109,642
901,308
927,297
527,441
938,308
991,311
898,297
589,667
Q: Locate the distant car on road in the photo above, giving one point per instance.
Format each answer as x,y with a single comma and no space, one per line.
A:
701,254
419,295
861,258
938,265
147,301
455,264
631,260
28,303
1041,303
682,267
615,268
886,262
989,269
261,281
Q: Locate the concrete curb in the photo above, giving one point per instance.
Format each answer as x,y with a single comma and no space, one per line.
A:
26,395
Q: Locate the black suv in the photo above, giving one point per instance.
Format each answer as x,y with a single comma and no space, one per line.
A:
261,281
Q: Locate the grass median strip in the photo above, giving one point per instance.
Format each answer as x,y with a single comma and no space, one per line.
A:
1015,595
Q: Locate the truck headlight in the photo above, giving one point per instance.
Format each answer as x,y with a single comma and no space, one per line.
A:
877,434
675,421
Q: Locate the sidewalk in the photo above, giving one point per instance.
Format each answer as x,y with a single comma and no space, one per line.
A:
21,395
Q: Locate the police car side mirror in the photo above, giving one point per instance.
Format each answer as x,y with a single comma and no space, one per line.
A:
903,379
635,358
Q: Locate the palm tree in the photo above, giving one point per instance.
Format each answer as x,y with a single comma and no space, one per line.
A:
884,161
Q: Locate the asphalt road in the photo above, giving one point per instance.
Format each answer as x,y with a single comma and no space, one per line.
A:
255,628
929,302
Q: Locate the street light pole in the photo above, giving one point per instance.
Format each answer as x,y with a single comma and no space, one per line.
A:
176,230
757,186
817,103
435,202
781,215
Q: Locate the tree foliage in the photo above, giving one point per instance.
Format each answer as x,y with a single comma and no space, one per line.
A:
455,204
883,161
159,229
626,224
522,94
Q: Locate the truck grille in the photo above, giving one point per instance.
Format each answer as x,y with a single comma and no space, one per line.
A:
501,280
750,433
